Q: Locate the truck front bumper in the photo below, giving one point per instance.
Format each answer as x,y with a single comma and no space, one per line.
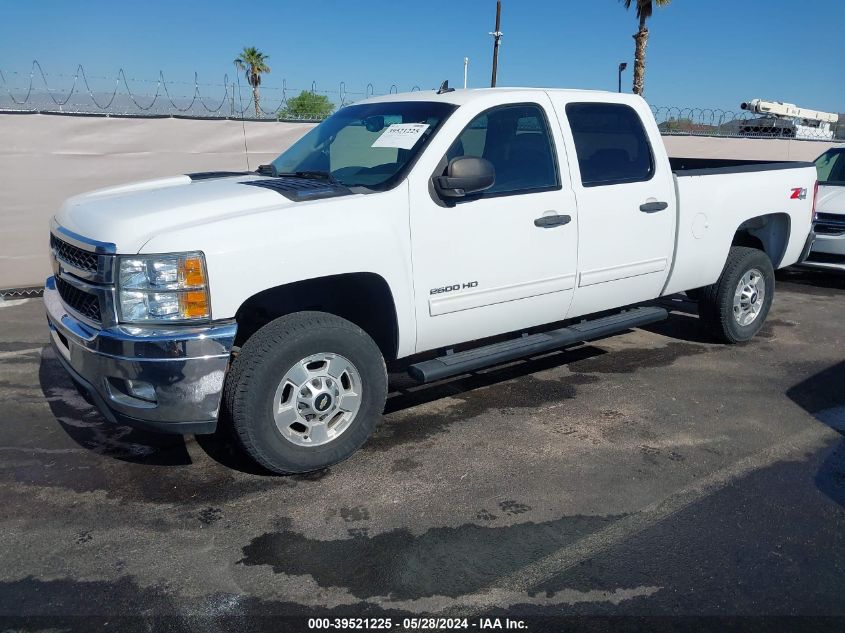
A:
159,378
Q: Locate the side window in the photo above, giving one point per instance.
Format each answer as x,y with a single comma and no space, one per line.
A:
517,141
837,173
831,166
611,144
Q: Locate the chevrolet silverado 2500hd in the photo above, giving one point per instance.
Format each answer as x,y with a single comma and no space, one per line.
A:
401,228
828,251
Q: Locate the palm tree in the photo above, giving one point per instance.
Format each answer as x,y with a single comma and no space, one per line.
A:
254,62
644,10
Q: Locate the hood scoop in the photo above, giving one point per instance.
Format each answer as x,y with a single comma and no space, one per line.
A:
300,189
209,175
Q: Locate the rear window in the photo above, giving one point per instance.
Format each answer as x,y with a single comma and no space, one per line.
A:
611,144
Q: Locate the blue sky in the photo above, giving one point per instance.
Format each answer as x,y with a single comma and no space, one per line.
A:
706,54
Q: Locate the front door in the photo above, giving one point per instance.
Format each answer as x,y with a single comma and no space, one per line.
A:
502,260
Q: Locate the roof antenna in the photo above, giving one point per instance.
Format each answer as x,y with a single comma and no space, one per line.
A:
243,125
444,87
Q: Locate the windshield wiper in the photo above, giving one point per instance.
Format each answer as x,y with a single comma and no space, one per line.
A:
311,173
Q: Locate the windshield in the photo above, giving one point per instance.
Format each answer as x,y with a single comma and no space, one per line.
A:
369,145
831,167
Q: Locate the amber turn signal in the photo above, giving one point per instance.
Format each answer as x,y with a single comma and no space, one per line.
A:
192,272
194,304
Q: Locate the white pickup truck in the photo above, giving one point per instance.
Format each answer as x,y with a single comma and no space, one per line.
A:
828,251
410,226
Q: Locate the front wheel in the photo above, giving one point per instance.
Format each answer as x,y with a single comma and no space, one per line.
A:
305,392
735,307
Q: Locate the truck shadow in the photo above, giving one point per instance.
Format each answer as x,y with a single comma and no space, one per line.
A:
823,396
683,323
222,446
406,392
84,424
812,280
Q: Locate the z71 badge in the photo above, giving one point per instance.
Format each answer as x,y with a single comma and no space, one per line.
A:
465,286
798,193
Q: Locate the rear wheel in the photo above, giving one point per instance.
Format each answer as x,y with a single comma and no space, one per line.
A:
736,306
305,392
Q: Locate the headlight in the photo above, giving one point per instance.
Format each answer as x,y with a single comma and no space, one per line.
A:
156,288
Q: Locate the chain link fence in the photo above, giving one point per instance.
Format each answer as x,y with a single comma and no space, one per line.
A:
120,95
79,93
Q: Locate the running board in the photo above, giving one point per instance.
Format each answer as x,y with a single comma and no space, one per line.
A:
530,345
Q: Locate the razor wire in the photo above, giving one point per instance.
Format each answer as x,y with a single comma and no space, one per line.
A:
121,95
79,94
675,121
28,292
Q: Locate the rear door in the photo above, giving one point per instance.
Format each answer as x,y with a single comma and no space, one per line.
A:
626,200
505,259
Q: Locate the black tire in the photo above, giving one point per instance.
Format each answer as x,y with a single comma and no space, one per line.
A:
261,365
716,303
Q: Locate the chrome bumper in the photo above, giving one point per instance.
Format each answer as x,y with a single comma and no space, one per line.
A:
830,244
827,253
184,366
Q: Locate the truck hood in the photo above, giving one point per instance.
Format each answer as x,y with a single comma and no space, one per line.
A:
831,199
130,215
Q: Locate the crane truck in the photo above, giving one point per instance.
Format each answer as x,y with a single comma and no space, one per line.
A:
787,120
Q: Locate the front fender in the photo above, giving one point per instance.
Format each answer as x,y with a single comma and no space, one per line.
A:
251,253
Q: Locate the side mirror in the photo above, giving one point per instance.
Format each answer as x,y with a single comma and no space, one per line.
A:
465,175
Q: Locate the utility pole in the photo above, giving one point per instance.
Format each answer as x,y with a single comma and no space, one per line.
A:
622,67
466,63
497,35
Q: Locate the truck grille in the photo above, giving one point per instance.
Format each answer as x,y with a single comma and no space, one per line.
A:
829,224
74,256
85,303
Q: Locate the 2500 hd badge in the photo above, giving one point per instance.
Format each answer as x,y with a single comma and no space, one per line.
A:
466,286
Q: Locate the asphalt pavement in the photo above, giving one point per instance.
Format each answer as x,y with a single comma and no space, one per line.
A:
651,474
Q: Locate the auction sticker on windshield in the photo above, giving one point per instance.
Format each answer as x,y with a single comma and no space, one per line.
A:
401,135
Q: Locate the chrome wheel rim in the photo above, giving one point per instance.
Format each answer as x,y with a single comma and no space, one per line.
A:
749,297
317,399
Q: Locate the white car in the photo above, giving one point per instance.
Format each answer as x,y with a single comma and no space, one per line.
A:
399,228
828,251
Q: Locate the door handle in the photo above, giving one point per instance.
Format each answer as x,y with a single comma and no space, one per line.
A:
653,207
551,221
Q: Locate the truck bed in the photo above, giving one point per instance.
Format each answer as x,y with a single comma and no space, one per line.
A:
718,196
713,166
